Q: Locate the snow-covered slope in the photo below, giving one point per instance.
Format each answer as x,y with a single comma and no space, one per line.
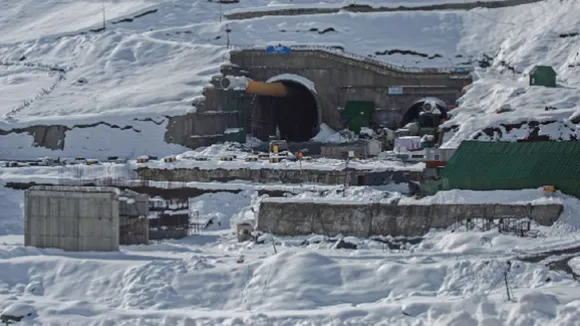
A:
155,57
518,39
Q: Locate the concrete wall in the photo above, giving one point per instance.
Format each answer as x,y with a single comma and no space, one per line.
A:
72,218
270,175
285,217
339,78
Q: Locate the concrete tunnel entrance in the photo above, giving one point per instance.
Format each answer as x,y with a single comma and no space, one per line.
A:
295,115
428,112
286,102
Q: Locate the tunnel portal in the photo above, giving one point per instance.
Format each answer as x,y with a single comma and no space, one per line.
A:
429,112
295,115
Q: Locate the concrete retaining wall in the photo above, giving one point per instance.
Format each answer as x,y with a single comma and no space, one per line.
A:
268,175
72,218
285,217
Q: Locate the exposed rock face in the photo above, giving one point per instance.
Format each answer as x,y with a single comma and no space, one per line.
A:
367,8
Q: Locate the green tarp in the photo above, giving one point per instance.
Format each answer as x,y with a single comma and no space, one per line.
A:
481,165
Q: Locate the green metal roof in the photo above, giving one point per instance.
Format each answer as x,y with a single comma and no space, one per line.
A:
482,165
543,69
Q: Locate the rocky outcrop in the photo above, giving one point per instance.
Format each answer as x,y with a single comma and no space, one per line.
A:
54,136
367,8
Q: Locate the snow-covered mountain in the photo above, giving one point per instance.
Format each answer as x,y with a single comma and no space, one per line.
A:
154,57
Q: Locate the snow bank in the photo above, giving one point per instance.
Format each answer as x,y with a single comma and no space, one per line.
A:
11,211
513,197
304,286
327,135
352,195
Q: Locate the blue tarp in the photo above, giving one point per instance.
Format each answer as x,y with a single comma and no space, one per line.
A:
278,49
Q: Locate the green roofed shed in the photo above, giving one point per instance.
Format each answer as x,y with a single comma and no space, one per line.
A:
480,165
543,76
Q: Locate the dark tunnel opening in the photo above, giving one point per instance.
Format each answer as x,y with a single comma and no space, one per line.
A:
427,119
295,115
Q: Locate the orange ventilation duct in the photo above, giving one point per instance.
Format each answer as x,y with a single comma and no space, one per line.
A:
254,87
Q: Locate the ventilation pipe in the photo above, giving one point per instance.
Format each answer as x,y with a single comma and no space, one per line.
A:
253,87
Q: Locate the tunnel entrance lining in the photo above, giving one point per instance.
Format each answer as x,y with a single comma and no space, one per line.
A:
297,115
307,83
413,111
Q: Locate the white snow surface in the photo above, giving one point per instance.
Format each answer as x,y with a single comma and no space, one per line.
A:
447,279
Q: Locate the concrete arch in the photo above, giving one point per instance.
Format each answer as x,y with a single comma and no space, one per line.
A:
413,111
307,83
297,114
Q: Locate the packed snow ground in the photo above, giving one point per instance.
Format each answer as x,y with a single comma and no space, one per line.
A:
154,65
447,279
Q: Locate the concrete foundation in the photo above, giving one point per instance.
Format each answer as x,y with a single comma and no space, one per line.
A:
72,218
289,218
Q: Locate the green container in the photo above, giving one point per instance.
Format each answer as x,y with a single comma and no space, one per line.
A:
239,103
357,114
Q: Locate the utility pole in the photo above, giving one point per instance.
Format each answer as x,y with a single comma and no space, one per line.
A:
348,157
220,11
505,277
228,30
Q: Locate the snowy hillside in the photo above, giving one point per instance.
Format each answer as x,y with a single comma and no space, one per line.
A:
155,57
518,39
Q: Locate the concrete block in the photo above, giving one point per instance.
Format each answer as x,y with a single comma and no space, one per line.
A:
90,227
52,225
54,206
69,227
52,241
546,214
58,216
69,243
